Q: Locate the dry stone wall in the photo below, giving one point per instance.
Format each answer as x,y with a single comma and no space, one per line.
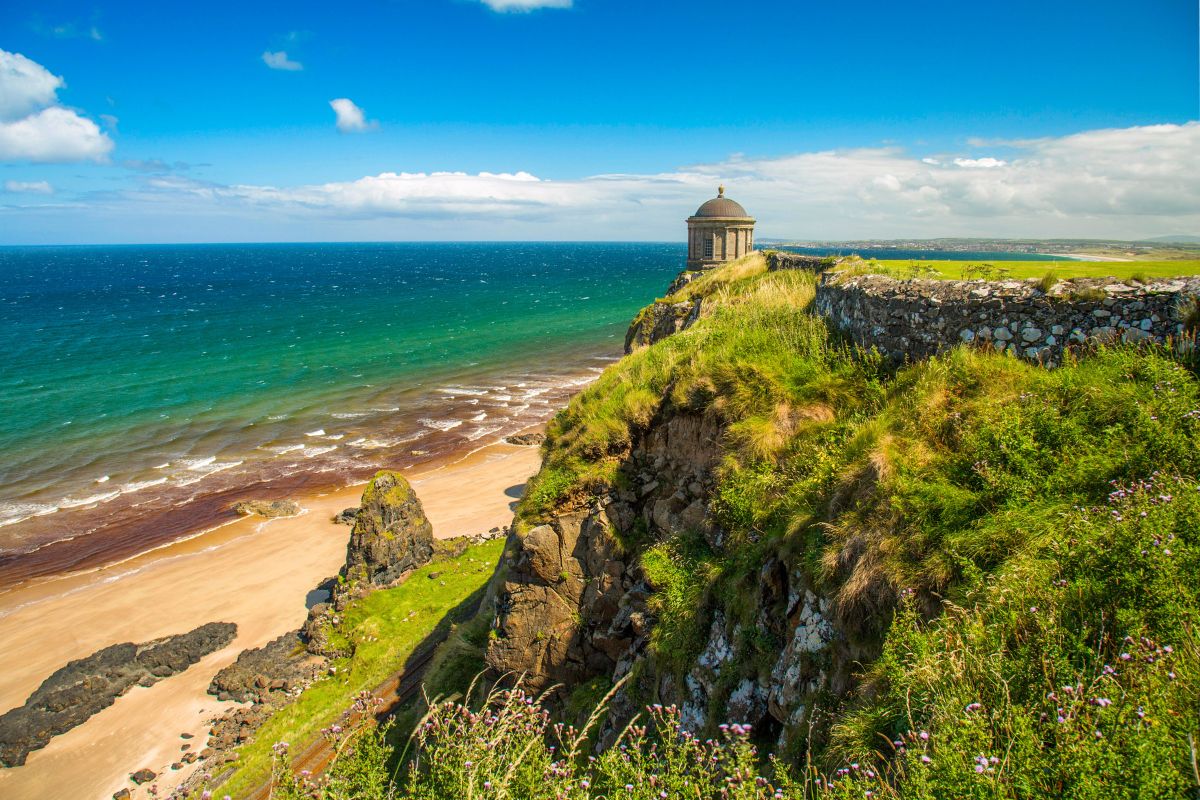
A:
913,319
781,259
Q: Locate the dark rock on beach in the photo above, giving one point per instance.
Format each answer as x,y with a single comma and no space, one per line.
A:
278,666
526,439
83,687
142,776
347,517
267,508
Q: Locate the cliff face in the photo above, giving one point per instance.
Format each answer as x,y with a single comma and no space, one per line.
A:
760,522
576,602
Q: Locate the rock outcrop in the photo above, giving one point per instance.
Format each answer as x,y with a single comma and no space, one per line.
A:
391,537
80,689
660,320
391,534
573,602
281,665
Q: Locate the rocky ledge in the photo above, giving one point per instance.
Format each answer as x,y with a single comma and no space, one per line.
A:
280,665
83,687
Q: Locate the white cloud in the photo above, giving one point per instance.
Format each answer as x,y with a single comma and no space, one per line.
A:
29,187
1122,183
973,163
350,118
524,5
51,134
279,60
54,134
25,86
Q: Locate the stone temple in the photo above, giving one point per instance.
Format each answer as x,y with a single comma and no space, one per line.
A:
719,231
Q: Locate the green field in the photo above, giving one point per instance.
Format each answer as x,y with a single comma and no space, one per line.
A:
386,626
1121,270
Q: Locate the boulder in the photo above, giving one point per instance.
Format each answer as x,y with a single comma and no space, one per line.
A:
526,439
267,508
142,776
346,516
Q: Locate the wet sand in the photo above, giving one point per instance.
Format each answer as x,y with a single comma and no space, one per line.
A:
253,572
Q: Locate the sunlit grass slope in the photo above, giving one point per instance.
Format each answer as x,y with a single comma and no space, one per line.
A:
385,627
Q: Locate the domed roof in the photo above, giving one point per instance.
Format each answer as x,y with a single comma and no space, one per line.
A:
721,206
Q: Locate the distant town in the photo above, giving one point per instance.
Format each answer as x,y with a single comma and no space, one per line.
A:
1161,248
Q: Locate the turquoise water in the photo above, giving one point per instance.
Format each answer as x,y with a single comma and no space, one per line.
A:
137,380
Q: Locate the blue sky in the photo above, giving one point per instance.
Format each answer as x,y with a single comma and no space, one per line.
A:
214,122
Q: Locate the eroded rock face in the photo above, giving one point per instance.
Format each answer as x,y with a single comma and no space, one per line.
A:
572,604
391,534
558,602
660,320
80,689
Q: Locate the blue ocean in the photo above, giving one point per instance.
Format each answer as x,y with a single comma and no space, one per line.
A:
145,388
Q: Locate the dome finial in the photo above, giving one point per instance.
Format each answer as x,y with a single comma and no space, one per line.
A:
721,190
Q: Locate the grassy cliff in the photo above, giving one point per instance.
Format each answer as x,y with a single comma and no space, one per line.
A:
1012,552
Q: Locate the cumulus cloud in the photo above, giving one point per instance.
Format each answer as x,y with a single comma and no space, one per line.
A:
53,134
25,86
29,187
33,127
524,5
350,118
279,60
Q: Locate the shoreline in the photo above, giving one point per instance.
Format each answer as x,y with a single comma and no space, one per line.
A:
430,427
252,571
40,585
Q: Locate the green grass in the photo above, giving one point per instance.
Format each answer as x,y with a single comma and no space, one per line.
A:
1063,270
946,496
386,625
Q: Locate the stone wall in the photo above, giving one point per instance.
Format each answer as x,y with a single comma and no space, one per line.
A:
912,319
779,259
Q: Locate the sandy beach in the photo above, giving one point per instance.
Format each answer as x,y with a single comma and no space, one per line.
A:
1090,257
253,572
